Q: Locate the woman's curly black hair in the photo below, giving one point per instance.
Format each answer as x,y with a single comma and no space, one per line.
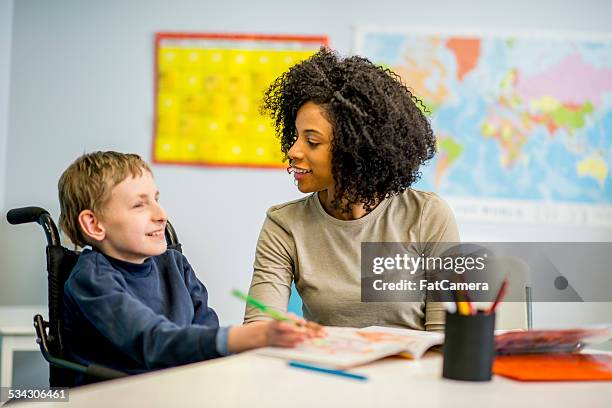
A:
380,135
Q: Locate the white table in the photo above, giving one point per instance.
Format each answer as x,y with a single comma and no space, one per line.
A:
16,334
250,380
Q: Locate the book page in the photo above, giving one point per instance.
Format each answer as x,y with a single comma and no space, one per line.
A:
348,347
415,342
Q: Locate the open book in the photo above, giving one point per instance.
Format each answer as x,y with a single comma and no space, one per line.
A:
345,347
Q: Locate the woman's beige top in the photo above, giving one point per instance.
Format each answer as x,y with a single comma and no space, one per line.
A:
301,242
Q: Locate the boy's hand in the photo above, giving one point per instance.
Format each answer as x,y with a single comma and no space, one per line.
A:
313,329
272,333
284,334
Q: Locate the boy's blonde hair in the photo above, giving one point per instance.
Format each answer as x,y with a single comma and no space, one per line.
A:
87,183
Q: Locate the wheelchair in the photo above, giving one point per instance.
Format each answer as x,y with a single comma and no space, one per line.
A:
50,334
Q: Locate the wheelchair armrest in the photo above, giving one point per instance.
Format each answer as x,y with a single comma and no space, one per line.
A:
104,373
93,370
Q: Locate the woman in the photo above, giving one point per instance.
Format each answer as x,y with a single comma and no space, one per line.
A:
355,138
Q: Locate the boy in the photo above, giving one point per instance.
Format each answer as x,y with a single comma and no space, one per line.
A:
129,303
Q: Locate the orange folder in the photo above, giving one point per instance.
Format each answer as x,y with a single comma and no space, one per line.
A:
555,367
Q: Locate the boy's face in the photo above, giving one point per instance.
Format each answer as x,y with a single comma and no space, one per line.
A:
133,221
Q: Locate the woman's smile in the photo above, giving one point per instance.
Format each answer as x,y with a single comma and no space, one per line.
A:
298,173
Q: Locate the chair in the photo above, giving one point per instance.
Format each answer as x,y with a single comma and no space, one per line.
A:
50,334
517,312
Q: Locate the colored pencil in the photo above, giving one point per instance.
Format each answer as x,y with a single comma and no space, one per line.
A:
500,295
463,305
275,314
341,373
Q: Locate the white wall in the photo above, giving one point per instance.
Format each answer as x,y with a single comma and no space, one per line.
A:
6,29
82,80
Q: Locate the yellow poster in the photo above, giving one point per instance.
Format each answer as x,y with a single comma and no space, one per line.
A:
208,91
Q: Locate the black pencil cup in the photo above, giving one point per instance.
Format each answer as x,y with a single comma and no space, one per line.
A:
469,347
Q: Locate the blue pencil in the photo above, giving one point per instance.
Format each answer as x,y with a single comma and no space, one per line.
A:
341,373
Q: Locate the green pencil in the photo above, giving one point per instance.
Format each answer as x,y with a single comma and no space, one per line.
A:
276,315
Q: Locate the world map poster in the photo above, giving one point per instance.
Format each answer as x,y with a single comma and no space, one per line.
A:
523,122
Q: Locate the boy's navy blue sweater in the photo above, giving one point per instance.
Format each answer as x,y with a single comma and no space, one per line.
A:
137,317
